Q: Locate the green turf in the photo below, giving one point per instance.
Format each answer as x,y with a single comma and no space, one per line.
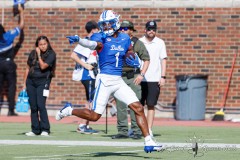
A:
66,132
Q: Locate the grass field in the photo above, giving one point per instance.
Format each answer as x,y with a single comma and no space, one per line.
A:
65,144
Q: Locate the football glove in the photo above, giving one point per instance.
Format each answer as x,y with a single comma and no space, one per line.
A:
73,39
133,62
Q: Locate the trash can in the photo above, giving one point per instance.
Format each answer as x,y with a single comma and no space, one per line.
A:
191,97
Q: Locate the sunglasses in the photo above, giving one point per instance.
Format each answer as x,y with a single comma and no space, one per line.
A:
152,29
123,28
42,37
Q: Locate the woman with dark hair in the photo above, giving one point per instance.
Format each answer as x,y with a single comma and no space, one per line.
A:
7,64
41,66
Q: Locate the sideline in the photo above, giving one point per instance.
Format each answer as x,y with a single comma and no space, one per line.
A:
113,120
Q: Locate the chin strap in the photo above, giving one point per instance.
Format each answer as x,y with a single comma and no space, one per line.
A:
109,32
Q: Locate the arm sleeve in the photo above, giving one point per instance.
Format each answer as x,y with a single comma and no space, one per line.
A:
10,35
141,50
163,52
88,43
50,58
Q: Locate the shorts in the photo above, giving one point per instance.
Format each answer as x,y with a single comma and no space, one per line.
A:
107,85
150,93
89,86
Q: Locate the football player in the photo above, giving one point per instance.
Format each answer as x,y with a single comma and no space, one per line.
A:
111,46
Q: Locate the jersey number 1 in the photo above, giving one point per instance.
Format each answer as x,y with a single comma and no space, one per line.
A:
117,55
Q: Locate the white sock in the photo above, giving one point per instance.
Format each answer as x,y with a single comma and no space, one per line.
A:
148,138
71,111
150,132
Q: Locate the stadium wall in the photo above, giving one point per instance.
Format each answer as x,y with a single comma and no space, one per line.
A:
201,38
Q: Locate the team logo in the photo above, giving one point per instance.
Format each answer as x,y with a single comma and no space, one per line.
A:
116,48
151,23
108,39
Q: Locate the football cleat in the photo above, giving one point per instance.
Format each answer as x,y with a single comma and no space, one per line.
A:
65,111
149,149
151,146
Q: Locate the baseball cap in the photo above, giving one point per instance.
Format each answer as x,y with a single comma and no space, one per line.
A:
127,24
90,25
151,24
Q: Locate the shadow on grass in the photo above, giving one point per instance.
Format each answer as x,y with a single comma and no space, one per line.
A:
111,155
110,135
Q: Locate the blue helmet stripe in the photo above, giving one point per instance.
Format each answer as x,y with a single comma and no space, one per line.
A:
104,15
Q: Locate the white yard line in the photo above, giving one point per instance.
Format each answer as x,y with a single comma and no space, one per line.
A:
116,144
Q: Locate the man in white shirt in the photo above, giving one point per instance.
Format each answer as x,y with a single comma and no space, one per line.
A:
155,76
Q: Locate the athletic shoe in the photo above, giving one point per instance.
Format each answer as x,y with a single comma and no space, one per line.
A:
130,132
44,133
12,113
119,136
65,111
85,130
30,134
150,146
81,125
135,136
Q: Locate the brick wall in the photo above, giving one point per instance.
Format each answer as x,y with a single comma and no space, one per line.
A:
198,40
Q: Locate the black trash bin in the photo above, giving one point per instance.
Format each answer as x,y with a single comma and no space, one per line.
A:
191,97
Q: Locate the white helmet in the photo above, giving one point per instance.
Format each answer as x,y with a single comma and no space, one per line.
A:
109,22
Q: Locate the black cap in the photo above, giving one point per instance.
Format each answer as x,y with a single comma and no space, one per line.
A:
128,24
151,24
90,25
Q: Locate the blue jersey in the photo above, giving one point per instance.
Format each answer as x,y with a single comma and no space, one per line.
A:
111,56
8,37
16,2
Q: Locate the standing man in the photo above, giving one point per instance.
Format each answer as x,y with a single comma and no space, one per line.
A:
111,46
155,76
130,75
7,65
86,65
